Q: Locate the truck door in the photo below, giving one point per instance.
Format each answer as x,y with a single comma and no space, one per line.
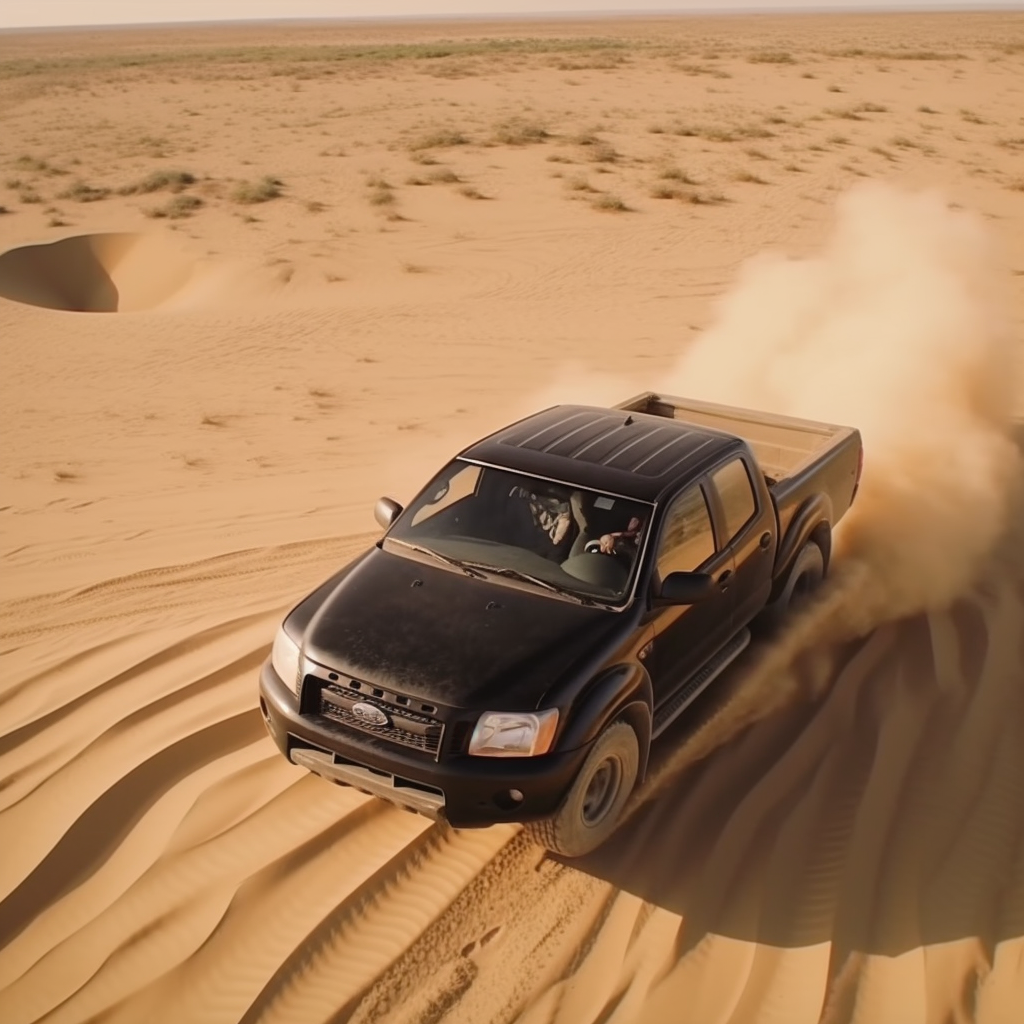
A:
745,523
687,635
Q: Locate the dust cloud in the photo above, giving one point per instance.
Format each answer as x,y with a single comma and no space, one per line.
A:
896,328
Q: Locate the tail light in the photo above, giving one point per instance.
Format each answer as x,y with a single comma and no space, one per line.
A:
860,469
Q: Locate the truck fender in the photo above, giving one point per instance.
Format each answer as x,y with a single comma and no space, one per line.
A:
624,692
811,521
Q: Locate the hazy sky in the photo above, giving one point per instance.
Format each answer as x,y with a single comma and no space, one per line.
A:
29,13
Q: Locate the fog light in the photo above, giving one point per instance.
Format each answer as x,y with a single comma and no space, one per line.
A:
508,799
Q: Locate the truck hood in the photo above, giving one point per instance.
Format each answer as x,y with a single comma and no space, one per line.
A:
441,636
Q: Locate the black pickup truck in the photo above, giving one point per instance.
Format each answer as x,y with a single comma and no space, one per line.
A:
549,603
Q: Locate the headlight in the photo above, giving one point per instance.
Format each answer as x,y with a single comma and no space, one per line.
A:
514,734
285,658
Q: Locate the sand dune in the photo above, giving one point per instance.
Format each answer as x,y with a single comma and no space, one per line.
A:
101,273
836,832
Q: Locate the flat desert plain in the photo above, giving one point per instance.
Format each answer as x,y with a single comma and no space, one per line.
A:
252,277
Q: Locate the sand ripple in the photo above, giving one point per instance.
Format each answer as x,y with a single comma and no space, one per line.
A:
858,859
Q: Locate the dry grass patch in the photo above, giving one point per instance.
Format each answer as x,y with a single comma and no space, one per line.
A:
470,192
579,183
706,198
440,138
677,174
249,193
160,181
36,165
517,131
83,192
176,208
443,176
609,203
748,177
771,57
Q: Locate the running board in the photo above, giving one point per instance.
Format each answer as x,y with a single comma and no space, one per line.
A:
690,690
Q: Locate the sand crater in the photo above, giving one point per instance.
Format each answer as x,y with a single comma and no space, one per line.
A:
107,272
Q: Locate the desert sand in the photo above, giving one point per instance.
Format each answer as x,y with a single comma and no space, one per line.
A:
252,277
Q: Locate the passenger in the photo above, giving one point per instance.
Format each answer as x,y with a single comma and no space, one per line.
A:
552,521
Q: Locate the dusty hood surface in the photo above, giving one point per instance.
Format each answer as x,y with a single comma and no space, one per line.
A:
442,636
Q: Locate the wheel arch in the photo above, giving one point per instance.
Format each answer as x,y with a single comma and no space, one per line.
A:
621,692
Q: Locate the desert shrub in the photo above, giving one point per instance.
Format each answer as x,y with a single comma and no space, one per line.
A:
82,192
677,174
771,57
443,176
262,191
610,203
440,138
158,181
177,207
517,131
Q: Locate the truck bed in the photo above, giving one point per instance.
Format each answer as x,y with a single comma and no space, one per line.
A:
798,457
784,446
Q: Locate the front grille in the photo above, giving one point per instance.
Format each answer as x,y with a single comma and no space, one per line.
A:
403,725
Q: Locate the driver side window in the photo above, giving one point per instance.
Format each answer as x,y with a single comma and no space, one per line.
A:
687,539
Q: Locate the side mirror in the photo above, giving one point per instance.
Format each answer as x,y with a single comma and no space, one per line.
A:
386,511
686,588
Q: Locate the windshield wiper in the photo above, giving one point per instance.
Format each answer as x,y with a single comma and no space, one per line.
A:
525,577
469,570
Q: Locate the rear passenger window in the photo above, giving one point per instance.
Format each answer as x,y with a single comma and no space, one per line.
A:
737,496
687,540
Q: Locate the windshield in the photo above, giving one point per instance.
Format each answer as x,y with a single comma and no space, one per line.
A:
520,528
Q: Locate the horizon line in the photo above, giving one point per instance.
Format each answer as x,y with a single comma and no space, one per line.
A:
848,8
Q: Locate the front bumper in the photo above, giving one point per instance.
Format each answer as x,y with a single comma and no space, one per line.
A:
468,792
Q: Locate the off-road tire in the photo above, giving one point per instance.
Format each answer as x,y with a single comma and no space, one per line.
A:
591,809
804,578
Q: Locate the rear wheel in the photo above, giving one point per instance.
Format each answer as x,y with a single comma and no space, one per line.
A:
804,579
591,809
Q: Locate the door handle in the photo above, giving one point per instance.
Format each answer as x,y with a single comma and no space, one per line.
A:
766,540
723,580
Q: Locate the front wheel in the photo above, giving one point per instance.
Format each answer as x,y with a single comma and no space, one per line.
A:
590,811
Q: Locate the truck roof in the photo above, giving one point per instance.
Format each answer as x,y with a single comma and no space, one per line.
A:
633,454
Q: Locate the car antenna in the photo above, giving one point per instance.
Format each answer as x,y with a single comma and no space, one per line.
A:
629,421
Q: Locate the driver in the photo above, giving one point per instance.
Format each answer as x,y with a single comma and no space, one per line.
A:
623,542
